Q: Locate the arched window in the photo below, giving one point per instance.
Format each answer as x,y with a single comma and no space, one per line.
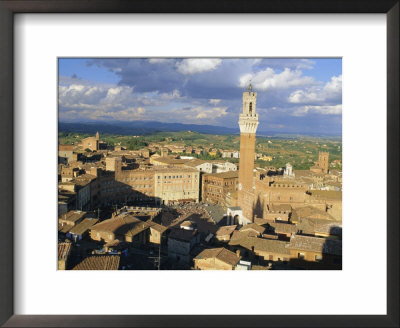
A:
250,108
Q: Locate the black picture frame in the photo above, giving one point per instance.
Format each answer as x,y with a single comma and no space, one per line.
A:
10,7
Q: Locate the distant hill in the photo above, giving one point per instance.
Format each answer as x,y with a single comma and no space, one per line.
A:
150,127
141,128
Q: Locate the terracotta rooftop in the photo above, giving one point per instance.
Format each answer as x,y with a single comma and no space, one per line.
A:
221,254
169,160
160,228
261,244
283,227
182,234
99,262
83,226
311,212
253,226
72,216
311,226
224,175
121,223
225,230
63,250
327,194
195,162
315,244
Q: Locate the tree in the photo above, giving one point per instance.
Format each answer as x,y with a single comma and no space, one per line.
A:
136,144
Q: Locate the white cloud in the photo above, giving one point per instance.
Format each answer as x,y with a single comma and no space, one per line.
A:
332,90
158,60
324,110
214,101
269,79
197,65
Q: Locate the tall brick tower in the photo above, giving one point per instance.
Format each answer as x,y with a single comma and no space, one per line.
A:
248,123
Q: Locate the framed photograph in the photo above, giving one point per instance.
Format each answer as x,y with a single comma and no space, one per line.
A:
176,158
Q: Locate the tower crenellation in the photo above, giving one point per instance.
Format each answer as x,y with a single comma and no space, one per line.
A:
248,119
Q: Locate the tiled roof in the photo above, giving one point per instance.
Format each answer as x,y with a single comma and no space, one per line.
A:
121,223
225,230
261,244
315,244
195,162
327,194
169,160
311,212
182,234
253,226
83,226
160,228
283,227
72,216
311,226
99,262
64,228
224,175
63,250
221,254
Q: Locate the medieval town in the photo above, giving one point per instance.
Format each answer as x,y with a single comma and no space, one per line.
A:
159,208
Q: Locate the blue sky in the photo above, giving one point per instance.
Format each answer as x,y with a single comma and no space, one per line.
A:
298,95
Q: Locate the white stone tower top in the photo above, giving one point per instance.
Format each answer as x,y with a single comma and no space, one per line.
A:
248,119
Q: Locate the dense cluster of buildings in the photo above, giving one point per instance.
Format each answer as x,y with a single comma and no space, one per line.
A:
121,209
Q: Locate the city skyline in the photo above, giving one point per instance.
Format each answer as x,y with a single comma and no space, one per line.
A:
295,95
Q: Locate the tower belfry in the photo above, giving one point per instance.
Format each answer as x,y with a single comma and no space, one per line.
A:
248,123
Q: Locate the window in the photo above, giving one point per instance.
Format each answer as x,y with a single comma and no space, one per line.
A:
300,256
318,258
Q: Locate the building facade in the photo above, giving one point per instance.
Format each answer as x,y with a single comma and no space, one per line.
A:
216,186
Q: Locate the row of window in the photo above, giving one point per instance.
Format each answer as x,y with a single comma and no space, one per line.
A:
175,176
139,178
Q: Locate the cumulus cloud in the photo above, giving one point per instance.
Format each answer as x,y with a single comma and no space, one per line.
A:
332,90
324,110
197,65
204,91
214,101
159,60
269,79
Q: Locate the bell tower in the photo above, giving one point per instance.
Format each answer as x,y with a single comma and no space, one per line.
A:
248,123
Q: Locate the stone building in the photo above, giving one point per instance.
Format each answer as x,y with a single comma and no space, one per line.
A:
91,143
216,259
322,165
307,251
68,220
216,186
65,153
123,227
180,243
176,184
